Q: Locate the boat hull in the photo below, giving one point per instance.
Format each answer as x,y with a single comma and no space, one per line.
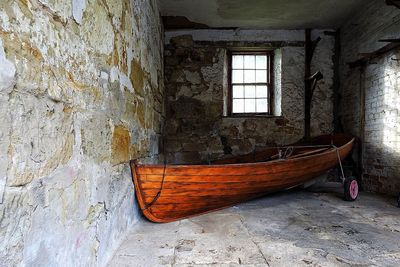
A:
168,193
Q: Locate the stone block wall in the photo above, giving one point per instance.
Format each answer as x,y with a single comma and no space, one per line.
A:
380,81
81,93
196,129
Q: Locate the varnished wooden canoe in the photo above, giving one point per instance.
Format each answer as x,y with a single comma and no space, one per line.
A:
168,193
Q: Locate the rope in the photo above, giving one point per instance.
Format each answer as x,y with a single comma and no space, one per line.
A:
163,177
159,191
288,152
290,149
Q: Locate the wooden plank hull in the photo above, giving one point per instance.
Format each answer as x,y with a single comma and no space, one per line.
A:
168,193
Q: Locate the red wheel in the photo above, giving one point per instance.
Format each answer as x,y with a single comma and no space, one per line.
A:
350,189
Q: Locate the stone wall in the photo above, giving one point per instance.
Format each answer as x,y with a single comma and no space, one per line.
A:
81,93
194,75
380,81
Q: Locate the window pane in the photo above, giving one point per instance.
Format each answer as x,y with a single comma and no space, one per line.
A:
250,62
250,105
249,76
261,62
261,91
261,76
237,62
262,105
250,91
237,76
238,106
237,91
250,83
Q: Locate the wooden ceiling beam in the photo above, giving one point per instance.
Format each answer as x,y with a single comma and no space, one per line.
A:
366,57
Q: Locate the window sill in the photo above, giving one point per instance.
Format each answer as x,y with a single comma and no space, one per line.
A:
252,116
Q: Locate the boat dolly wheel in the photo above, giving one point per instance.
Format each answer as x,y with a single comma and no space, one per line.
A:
350,186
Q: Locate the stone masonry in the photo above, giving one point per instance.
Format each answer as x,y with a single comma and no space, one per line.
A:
380,80
197,130
81,93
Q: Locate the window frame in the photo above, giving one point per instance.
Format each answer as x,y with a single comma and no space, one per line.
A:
270,59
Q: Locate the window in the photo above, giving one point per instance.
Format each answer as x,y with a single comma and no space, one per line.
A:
250,83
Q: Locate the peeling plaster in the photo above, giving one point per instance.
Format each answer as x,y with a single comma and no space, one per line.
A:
60,85
4,21
196,128
78,6
239,35
7,83
262,14
7,70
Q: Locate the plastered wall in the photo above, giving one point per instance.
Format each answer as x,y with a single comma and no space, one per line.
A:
195,72
81,93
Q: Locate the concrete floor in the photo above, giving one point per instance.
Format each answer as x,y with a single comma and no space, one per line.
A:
297,228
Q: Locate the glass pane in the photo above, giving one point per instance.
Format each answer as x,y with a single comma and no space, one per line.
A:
250,91
237,62
237,91
250,62
261,76
237,76
238,106
249,76
250,105
261,91
262,105
261,62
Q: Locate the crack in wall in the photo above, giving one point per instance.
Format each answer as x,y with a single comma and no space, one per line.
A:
251,238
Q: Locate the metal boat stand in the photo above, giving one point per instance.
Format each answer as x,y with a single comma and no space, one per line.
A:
350,184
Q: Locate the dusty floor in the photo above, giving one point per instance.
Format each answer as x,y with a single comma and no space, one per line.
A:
297,228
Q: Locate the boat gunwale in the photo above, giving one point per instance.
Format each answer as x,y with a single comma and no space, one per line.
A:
237,165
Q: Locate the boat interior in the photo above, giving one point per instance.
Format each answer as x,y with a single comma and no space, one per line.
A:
299,149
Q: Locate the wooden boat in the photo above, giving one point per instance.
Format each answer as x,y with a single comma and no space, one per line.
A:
167,193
